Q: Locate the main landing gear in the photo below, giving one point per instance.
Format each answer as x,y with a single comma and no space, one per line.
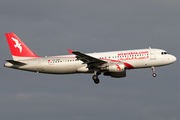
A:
95,77
153,70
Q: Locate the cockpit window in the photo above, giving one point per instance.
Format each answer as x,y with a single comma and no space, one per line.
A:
163,53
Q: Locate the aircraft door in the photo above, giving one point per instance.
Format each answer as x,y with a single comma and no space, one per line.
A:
39,64
152,54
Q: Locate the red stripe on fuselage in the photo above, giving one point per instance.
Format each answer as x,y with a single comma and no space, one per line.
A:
128,65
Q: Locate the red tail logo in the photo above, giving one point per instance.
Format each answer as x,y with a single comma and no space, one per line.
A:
17,47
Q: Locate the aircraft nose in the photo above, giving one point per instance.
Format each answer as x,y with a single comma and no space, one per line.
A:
174,59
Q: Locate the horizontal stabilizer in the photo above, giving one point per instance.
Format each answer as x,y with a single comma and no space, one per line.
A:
16,62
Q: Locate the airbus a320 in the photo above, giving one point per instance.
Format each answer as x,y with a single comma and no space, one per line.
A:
112,64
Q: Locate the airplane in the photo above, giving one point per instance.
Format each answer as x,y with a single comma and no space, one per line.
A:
113,64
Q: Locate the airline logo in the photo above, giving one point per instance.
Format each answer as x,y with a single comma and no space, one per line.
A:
17,45
118,67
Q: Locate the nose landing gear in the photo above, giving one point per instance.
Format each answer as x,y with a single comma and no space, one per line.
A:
153,70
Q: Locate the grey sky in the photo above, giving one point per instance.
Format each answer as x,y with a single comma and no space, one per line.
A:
51,27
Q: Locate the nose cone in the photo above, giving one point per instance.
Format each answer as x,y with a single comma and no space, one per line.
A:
173,59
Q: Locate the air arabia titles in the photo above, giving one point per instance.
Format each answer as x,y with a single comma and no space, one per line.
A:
133,55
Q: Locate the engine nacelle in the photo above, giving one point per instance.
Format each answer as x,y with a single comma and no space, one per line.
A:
115,74
119,67
115,70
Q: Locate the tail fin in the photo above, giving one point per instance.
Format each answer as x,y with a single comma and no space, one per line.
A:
18,49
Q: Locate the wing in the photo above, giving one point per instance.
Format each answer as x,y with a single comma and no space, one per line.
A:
89,60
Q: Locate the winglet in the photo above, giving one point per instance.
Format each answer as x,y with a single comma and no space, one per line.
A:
70,51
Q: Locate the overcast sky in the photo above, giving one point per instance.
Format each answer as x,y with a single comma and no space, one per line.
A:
50,27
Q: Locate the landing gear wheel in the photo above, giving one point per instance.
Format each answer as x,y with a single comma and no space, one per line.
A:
96,81
154,74
95,78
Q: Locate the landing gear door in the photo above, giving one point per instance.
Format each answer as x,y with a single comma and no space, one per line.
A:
152,54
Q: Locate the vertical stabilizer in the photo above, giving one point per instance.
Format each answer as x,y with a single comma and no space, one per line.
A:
18,49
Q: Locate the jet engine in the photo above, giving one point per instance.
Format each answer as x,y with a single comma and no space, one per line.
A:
115,70
115,74
119,67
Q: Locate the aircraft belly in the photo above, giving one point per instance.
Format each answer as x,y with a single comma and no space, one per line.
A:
66,69
60,69
145,63
138,63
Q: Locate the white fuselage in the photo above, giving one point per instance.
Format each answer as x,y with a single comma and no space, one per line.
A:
68,64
